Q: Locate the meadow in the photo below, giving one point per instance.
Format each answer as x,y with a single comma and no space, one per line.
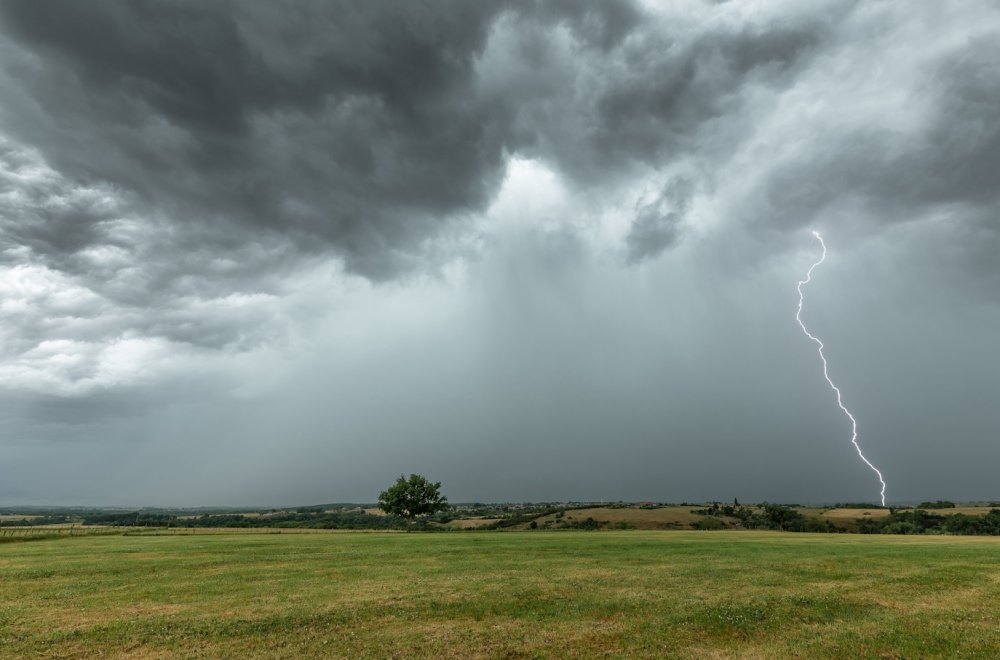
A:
500,594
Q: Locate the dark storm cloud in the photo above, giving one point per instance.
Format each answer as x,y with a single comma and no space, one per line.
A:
363,128
666,96
291,121
652,98
357,125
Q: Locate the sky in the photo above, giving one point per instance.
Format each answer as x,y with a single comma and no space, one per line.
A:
277,253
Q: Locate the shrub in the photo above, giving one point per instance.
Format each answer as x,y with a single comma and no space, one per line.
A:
710,523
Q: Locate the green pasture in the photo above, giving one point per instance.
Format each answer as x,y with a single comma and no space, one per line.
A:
494,594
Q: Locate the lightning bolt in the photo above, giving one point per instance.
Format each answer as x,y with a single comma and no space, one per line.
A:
826,373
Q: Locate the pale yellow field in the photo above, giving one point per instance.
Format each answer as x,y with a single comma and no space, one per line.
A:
847,514
668,517
968,510
857,514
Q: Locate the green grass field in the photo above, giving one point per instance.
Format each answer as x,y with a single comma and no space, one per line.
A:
471,594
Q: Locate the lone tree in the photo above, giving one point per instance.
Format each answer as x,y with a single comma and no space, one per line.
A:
413,497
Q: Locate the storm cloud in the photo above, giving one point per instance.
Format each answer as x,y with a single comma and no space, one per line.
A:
537,250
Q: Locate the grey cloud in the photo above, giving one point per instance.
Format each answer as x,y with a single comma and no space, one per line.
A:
657,224
180,104
357,128
944,163
346,124
655,98
960,161
367,131
601,25
196,152
44,214
97,273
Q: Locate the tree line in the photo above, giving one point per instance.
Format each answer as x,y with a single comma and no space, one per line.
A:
782,517
288,519
919,521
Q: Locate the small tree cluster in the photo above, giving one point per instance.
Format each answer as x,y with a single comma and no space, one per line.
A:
923,522
939,504
766,516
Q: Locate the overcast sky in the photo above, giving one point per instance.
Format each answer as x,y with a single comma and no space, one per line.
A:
277,253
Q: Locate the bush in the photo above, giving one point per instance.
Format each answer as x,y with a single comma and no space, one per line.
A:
589,524
710,523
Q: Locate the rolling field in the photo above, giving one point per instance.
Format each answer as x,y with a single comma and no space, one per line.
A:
474,594
677,517
664,517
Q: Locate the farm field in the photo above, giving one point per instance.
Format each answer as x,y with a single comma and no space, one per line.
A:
476,594
663,517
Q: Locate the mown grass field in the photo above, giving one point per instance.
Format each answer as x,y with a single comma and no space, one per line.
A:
476,594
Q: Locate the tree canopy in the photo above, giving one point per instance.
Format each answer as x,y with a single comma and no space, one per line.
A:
413,497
